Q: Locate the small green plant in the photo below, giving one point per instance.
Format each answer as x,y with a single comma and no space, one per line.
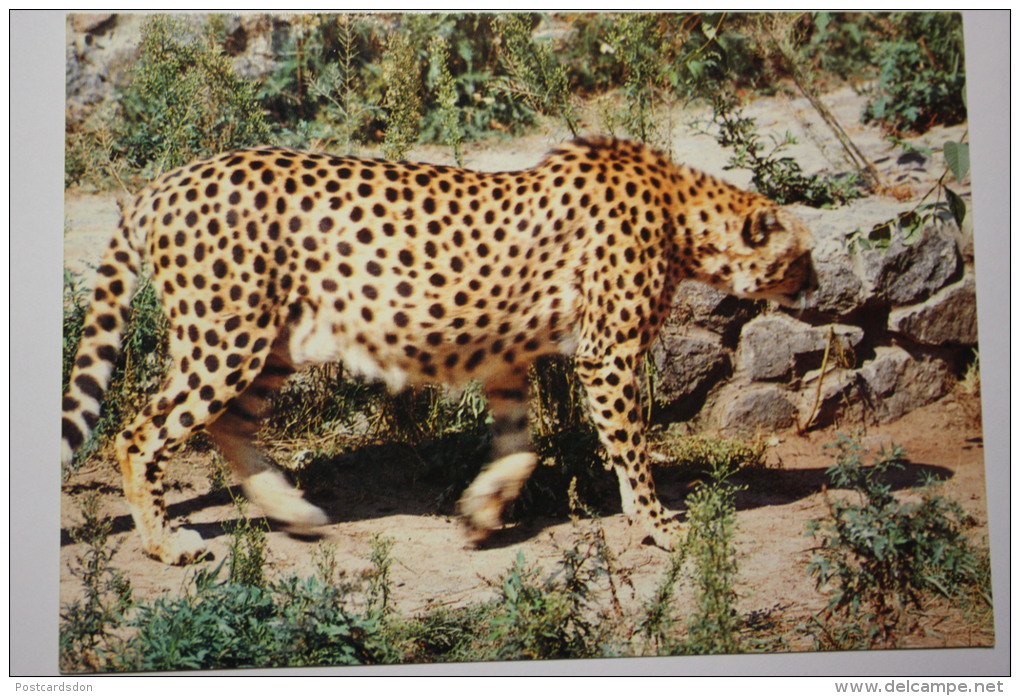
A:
219,473
879,557
338,81
921,76
774,175
703,454
636,41
88,637
403,101
842,43
947,205
247,547
379,581
449,115
713,629
555,618
327,568
443,634
315,626
659,620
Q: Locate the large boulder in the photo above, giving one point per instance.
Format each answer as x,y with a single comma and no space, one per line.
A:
949,317
777,347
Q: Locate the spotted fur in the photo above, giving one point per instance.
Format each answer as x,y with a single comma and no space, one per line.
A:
268,260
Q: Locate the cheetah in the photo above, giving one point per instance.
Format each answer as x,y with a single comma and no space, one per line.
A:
269,260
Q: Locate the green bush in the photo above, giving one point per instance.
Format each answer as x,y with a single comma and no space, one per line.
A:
547,620
479,78
879,557
535,72
185,100
921,73
403,100
338,81
712,515
88,639
774,175
226,625
842,44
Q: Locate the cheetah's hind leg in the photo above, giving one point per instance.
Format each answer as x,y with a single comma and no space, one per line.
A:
500,481
262,481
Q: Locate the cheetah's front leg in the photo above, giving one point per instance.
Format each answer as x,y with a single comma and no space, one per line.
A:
613,398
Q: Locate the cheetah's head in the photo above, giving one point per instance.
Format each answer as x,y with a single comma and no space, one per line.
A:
766,255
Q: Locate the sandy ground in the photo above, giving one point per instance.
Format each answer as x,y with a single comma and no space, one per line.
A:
433,565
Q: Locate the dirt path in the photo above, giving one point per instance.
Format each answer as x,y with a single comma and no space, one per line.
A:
434,567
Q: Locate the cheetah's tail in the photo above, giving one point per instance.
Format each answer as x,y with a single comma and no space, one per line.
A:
101,340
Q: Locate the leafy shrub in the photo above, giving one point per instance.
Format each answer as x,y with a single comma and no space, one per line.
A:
442,634
947,205
711,513
637,41
485,106
448,122
185,100
247,547
879,556
843,43
921,73
778,177
87,635
335,79
226,625
703,454
535,72
403,101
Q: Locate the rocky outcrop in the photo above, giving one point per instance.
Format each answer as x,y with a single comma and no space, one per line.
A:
891,328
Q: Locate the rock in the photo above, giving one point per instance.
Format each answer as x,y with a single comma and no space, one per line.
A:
90,23
896,382
702,305
947,317
901,274
840,290
688,366
833,399
747,410
776,346
905,274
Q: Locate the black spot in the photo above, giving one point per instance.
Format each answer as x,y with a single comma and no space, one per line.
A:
71,433
89,386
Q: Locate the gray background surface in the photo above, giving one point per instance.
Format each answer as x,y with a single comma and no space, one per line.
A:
36,218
